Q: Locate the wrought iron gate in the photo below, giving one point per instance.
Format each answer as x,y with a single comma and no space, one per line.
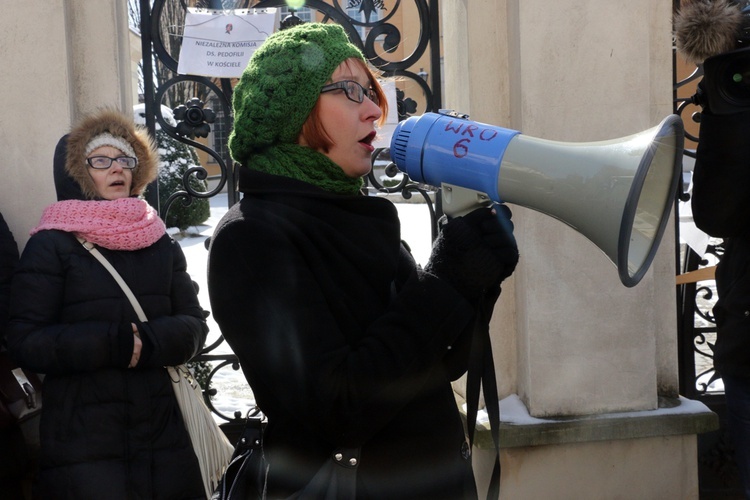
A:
202,106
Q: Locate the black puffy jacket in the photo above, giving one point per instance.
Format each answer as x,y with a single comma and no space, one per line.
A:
107,428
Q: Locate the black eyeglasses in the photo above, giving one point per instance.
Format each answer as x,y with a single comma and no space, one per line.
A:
353,90
104,162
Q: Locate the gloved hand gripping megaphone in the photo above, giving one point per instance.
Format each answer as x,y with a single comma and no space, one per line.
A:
617,193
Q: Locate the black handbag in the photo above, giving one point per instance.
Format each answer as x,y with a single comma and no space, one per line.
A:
20,392
335,480
245,476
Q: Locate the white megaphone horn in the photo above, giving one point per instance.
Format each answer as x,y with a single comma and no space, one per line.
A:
617,193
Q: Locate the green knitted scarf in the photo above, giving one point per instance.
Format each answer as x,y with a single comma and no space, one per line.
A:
306,165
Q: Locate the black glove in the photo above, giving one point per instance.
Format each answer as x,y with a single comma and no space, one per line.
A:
475,252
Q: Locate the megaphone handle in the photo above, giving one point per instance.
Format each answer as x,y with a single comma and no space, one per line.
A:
458,201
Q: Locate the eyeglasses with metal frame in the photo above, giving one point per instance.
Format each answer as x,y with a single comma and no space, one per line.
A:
353,90
104,162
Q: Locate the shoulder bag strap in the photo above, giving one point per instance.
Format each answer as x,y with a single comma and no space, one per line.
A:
125,288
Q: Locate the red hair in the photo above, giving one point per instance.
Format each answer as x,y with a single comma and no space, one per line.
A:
316,136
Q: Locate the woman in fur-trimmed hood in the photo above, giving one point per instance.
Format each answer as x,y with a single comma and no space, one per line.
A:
110,423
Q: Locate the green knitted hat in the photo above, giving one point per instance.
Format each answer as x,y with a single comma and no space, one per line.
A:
281,84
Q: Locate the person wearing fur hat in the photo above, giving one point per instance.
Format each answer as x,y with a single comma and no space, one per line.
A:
110,425
346,343
714,35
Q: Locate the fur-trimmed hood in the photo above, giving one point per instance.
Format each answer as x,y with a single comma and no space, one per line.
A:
72,178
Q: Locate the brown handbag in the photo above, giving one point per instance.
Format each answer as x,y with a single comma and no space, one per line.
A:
20,392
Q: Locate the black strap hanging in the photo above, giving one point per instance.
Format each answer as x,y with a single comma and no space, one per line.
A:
481,373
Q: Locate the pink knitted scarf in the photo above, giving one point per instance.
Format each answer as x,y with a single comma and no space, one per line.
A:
122,224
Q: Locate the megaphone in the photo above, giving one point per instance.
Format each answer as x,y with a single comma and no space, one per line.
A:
617,193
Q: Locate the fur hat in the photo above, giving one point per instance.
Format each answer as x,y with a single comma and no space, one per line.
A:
282,83
95,130
705,28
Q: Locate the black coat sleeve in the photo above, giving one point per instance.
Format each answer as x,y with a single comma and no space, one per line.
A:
8,264
172,339
721,180
41,337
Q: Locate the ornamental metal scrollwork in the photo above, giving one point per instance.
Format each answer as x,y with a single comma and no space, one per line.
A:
193,119
367,6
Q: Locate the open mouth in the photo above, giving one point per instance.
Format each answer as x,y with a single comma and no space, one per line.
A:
118,183
368,138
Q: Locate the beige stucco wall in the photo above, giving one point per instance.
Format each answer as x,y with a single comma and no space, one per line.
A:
60,60
581,71
658,468
568,337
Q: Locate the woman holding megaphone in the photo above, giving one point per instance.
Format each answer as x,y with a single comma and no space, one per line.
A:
348,345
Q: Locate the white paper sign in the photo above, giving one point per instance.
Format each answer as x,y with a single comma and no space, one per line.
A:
383,139
219,43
